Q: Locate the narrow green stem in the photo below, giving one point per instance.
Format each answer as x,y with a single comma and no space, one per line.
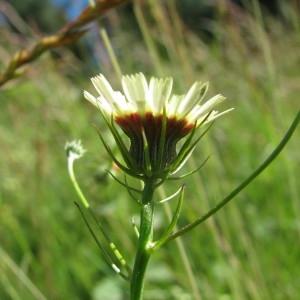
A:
247,181
75,183
145,242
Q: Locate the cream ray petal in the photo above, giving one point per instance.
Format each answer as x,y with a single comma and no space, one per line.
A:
159,93
105,106
172,106
99,102
135,87
191,99
203,90
120,105
91,98
103,88
210,104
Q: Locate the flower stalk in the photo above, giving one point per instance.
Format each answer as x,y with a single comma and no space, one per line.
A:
145,241
154,120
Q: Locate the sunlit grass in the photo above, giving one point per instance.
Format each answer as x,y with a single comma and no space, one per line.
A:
248,250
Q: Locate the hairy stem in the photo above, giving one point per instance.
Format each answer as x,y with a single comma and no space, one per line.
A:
145,242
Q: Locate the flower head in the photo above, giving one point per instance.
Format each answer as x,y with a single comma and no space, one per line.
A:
74,150
154,120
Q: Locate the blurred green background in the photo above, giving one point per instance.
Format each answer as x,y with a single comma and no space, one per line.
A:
249,250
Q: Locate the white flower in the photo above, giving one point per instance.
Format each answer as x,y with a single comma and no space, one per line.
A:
141,98
153,118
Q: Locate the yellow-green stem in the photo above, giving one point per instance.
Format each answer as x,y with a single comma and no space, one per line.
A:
145,241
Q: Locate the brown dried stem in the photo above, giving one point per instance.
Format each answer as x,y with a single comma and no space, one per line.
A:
69,33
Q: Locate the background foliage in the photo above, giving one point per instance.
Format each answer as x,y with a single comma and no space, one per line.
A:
249,250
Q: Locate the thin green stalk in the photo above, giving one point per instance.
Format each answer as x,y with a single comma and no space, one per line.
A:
145,242
243,185
75,184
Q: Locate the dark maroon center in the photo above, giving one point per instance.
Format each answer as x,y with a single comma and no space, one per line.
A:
133,125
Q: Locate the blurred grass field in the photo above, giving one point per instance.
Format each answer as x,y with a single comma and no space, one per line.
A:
248,250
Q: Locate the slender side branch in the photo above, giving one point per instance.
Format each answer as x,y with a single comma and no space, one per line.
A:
259,170
108,259
74,151
171,226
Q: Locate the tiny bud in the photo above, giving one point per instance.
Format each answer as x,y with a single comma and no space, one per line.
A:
74,149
